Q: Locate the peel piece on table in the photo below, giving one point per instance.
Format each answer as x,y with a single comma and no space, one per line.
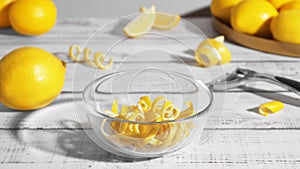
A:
212,52
270,107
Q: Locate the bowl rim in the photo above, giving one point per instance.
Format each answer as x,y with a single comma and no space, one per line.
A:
92,85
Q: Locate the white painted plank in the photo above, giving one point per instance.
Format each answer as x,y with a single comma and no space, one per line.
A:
226,149
79,75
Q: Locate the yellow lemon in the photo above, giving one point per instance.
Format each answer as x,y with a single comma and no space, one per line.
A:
285,27
293,5
32,17
164,20
212,52
4,6
31,78
141,24
222,9
253,17
4,21
278,3
5,3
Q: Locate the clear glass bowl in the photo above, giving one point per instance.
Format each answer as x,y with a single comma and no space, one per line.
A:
127,87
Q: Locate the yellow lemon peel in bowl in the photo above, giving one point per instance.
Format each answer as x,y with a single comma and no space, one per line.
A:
212,51
271,107
142,135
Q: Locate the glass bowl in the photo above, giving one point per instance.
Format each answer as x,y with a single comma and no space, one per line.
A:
127,87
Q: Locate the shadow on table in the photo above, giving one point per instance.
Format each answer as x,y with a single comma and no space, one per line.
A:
294,101
66,137
202,12
9,31
118,26
76,143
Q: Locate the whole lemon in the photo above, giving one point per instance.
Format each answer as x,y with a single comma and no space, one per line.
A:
31,78
293,5
278,3
222,9
32,17
285,27
253,17
4,6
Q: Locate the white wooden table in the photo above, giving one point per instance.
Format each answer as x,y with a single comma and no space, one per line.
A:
52,137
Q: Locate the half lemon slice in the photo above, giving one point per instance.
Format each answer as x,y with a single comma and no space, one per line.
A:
142,24
164,20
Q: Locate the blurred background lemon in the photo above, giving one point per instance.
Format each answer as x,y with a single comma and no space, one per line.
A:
293,5
32,17
278,3
4,6
222,9
253,17
286,26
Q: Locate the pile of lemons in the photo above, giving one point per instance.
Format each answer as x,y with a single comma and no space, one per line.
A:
28,17
278,19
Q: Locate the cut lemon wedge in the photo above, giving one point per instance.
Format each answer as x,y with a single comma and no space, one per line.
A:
164,20
142,24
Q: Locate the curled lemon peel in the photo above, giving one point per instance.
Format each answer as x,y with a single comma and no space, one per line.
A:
75,56
98,60
140,135
212,52
271,107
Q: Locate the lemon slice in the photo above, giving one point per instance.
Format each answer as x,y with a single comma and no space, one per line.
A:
164,20
140,25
